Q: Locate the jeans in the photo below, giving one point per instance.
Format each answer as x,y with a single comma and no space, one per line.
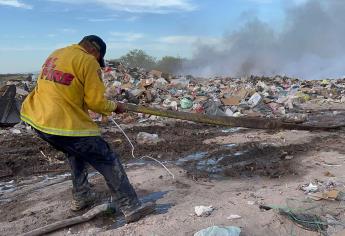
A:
96,152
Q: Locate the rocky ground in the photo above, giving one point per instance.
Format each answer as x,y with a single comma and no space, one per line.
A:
233,169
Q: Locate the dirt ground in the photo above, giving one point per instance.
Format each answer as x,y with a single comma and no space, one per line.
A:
233,169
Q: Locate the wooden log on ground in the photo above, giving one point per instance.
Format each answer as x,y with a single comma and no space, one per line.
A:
68,222
246,122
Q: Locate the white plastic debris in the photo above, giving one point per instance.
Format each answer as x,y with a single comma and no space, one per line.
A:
233,217
219,231
22,92
15,131
203,210
147,138
342,99
229,112
254,100
160,83
180,83
170,104
311,188
237,114
262,85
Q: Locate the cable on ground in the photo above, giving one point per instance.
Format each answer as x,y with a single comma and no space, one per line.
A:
132,146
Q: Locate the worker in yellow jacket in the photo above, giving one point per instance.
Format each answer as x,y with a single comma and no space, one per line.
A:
70,84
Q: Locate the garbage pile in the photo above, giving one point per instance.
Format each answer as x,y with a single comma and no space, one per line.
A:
278,96
24,84
12,93
252,96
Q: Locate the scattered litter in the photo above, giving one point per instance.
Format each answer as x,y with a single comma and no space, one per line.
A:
229,112
15,131
232,130
147,138
311,188
233,217
329,174
203,210
219,231
288,157
231,101
306,221
328,195
302,216
330,164
186,103
254,100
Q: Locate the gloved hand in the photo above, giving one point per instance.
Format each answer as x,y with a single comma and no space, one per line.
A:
120,108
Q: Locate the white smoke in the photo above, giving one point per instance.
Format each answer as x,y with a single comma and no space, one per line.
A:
310,46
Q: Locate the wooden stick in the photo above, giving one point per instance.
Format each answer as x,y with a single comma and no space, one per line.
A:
247,122
68,222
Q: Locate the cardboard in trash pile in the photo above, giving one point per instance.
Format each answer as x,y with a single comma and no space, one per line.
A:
231,101
329,195
156,73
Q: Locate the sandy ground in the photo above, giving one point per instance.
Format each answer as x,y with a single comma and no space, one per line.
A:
234,170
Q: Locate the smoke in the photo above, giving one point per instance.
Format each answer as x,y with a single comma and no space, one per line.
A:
309,46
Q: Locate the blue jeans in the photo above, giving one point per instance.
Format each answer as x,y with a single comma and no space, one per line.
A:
96,152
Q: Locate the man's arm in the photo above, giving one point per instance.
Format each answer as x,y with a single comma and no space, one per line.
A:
94,90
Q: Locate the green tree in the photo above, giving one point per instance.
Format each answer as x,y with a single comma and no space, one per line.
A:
170,64
138,58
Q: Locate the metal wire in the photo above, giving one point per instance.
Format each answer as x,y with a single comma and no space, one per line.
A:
154,159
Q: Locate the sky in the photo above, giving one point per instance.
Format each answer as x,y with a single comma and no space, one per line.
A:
32,29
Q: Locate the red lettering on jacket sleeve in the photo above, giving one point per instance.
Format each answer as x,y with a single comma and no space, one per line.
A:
45,71
50,74
46,63
67,78
57,75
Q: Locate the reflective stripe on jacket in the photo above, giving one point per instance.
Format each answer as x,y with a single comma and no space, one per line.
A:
68,85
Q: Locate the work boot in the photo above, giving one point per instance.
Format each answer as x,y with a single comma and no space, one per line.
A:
84,202
138,211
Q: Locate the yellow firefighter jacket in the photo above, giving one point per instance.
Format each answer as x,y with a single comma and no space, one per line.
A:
69,84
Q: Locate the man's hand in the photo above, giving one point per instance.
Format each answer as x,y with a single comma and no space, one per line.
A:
104,119
120,108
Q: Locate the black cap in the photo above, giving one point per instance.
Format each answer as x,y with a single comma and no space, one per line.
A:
99,44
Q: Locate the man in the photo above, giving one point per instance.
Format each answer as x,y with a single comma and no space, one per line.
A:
68,86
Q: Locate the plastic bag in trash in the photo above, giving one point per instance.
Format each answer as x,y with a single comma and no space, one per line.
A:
186,103
254,100
219,231
213,108
179,83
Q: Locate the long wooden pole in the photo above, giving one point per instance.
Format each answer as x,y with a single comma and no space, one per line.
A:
247,122
68,222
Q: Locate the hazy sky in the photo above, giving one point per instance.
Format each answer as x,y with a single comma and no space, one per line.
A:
31,29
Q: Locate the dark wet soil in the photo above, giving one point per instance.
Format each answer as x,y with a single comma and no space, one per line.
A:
26,154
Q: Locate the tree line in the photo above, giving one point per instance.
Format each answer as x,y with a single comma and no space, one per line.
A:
139,58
